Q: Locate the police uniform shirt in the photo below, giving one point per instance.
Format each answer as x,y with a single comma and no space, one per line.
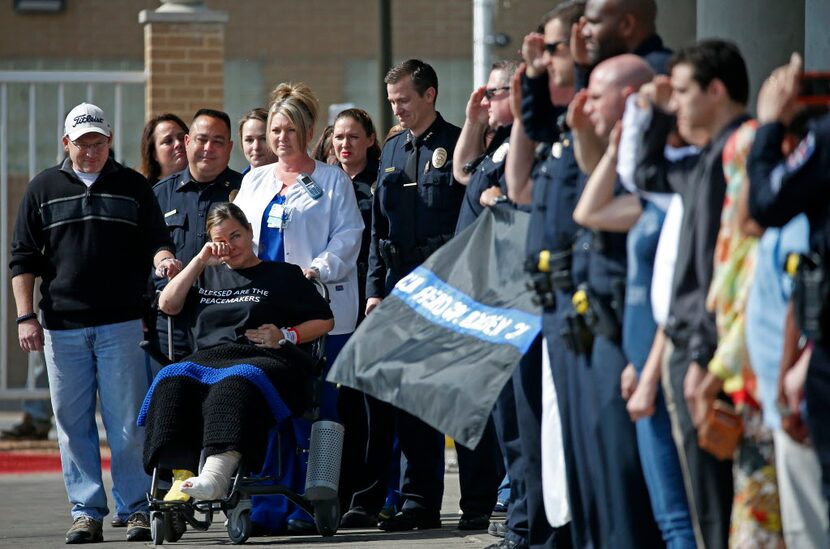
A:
408,213
557,185
782,188
488,173
186,203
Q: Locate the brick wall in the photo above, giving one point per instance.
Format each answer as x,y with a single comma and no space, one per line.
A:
185,64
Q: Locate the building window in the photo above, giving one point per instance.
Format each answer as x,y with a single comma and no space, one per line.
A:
39,6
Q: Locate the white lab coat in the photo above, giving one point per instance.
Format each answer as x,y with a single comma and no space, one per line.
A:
324,233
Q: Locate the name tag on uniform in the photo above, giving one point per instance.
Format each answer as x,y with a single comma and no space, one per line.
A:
171,212
390,169
413,184
278,217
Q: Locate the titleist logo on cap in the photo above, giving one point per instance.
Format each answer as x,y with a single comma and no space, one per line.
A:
86,119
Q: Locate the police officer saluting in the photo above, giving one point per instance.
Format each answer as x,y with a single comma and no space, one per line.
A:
415,211
780,189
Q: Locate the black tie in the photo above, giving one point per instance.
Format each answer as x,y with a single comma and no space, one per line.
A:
411,167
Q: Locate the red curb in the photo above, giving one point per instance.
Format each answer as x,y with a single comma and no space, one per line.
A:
16,463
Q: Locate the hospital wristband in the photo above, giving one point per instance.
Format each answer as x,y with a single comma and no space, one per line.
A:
290,334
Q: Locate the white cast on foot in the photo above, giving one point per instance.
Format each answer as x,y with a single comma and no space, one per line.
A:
215,478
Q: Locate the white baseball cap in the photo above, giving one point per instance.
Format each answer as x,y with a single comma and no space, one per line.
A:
83,119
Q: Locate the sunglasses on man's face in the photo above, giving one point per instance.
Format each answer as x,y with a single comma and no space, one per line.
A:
553,47
490,93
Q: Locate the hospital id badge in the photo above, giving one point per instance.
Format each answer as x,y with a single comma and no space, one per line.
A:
276,216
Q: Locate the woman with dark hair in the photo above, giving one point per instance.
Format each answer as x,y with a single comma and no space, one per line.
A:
162,147
223,398
323,150
254,144
357,151
363,482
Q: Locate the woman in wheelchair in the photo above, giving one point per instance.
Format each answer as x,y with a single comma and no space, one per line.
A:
222,400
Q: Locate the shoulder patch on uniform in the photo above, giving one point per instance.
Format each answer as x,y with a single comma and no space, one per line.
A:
802,153
501,152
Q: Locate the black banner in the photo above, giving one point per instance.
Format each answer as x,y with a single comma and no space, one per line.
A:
442,345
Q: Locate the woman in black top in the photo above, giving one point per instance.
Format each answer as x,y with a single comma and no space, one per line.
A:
238,383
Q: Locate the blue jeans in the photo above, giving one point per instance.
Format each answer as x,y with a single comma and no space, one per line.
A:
104,361
661,469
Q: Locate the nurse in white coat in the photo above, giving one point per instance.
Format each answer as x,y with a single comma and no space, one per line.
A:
305,212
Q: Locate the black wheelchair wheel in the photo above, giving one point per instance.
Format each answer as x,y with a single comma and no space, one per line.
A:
157,527
327,516
175,526
239,527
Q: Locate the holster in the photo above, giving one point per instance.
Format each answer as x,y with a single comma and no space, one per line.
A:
390,254
576,335
811,297
550,271
601,316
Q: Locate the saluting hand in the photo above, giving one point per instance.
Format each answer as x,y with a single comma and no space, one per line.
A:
657,92
777,100
578,120
516,92
475,112
533,49
579,49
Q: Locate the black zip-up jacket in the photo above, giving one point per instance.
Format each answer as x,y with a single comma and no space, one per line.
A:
91,246
700,181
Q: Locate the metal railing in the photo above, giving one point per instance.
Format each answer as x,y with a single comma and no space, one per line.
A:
91,80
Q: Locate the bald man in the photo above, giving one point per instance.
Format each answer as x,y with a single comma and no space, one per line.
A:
624,509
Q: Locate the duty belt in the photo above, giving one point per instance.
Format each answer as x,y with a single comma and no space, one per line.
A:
397,258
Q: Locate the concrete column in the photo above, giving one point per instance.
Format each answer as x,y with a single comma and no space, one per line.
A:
677,22
184,54
816,39
766,31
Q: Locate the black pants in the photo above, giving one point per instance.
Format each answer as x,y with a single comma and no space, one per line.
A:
480,472
422,463
577,413
367,450
507,429
709,482
625,510
817,389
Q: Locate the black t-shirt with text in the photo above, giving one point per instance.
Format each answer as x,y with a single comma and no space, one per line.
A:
229,301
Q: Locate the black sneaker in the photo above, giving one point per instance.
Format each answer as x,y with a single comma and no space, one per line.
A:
28,429
410,519
138,527
358,518
118,522
473,522
85,529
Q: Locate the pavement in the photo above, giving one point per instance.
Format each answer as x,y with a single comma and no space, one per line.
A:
34,513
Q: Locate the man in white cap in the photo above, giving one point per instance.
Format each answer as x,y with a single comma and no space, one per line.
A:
89,228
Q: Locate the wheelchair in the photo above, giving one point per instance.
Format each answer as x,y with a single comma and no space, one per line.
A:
169,519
